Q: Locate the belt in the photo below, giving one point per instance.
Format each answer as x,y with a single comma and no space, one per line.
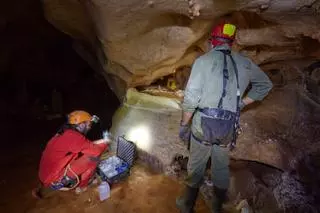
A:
218,113
206,143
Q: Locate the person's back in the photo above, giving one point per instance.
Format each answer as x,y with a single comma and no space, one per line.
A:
207,72
60,150
213,99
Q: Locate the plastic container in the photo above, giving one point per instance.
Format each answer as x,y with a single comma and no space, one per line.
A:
122,167
116,168
104,191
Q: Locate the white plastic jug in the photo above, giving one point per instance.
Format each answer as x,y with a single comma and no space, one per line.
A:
104,191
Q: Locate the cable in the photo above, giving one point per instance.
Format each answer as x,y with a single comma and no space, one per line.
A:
68,168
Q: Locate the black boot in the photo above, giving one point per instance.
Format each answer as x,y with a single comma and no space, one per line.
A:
187,202
41,192
219,197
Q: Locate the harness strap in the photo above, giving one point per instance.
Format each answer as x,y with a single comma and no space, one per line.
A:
68,168
238,87
60,185
225,79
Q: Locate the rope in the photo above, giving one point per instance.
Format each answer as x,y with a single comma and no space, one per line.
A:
68,168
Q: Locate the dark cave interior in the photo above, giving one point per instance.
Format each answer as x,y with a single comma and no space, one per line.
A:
42,79
39,67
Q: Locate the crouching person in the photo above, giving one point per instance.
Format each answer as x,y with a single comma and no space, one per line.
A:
70,160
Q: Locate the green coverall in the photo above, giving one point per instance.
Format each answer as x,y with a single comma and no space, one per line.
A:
204,89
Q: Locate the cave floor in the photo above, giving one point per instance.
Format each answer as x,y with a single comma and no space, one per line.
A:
143,191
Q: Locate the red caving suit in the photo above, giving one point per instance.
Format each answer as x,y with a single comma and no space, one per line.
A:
65,149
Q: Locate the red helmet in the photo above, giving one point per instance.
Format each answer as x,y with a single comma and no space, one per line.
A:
223,34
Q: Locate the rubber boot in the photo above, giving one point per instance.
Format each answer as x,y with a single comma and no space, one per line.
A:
41,192
219,197
187,202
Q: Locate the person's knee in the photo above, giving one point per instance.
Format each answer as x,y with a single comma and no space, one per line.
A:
220,159
194,180
198,158
196,172
221,178
220,168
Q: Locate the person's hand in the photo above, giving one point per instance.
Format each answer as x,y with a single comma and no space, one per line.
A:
107,136
245,101
100,141
185,133
242,105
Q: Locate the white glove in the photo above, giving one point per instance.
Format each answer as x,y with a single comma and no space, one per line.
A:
242,105
107,136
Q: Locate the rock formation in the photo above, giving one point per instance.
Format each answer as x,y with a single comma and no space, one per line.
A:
137,42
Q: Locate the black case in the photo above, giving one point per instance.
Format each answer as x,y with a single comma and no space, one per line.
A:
126,151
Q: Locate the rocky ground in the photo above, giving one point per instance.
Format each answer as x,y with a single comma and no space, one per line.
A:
144,191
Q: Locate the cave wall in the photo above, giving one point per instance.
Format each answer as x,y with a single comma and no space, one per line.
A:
137,42
99,32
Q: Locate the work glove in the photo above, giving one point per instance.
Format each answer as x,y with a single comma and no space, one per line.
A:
241,105
95,119
185,133
107,137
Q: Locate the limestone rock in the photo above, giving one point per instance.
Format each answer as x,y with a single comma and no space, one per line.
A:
71,17
273,130
137,42
273,37
141,41
152,123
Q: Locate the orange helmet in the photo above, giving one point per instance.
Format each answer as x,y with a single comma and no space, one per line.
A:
79,116
223,34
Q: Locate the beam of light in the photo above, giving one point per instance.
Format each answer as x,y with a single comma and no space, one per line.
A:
140,135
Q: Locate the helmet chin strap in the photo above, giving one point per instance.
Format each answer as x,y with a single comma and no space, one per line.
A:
83,128
219,41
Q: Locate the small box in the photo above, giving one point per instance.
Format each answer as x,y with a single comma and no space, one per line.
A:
115,168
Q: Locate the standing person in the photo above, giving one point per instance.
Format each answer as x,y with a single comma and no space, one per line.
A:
70,159
214,98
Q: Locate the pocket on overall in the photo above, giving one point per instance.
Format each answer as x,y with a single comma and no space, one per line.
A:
217,127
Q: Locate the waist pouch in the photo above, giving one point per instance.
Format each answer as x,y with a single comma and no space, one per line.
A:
217,124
